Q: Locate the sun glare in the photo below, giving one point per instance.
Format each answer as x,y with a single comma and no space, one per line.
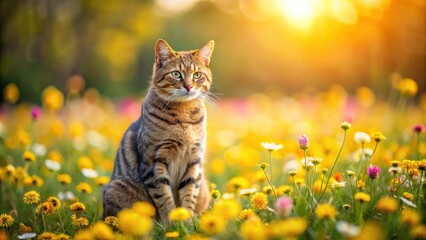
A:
300,13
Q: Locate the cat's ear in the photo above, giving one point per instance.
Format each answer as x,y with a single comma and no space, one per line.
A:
162,51
206,52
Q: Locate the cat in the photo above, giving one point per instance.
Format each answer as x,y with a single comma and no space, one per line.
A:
161,156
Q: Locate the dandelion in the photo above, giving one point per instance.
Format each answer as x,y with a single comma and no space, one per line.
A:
62,236
362,138
45,208
174,234
11,93
100,181
373,171
246,214
395,163
377,136
84,235
387,205
283,206
215,194
24,229
112,221
46,236
259,201
6,220
52,98
410,218
179,214
79,221
212,224
360,185
238,182
283,189
362,197
28,156
408,196
289,228
144,209
56,203
101,231
227,208
84,162
326,211
407,87
134,224
78,207
31,197
64,179
303,142
346,206
252,229
418,232
84,187
263,165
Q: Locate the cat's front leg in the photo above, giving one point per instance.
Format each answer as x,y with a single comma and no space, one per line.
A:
158,183
189,186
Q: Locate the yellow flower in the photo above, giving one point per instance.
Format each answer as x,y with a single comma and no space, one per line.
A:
267,189
52,98
215,194
101,231
283,189
64,178
11,93
246,214
84,235
174,234
408,196
253,229
45,208
179,214
134,224
55,156
78,207
212,224
360,185
263,165
144,209
418,232
84,162
387,205
76,129
238,182
31,197
196,237
346,206
102,180
6,220
259,201
56,203
84,187
287,229
46,236
79,221
377,136
395,163
362,197
33,181
410,218
227,208
112,221
62,236
345,126
28,156
326,211
24,229
407,87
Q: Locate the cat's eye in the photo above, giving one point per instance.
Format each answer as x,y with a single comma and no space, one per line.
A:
176,74
197,75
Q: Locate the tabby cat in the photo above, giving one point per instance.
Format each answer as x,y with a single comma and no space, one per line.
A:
160,158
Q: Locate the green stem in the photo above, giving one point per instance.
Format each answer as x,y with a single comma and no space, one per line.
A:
270,162
417,146
332,168
295,185
270,184
44,222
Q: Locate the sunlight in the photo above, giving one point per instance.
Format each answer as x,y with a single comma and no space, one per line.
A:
299,14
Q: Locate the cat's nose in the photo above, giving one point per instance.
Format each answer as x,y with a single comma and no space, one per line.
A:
188,87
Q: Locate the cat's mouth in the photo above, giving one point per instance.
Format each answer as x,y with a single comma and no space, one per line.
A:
183,94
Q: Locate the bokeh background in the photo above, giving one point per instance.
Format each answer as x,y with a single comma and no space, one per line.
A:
279,46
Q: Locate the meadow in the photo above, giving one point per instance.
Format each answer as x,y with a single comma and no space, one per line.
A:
312,165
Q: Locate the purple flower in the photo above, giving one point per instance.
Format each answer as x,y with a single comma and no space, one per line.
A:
283,206
373,171
303,142
419,128
35,112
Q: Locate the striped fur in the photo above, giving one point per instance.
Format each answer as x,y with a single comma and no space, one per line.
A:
160,158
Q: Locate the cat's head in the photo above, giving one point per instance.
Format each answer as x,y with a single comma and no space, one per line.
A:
181,75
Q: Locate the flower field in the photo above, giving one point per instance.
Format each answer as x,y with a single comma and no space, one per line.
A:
318,165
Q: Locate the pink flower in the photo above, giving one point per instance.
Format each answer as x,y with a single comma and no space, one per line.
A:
373,171
35,112
419,128
283,206
303,142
